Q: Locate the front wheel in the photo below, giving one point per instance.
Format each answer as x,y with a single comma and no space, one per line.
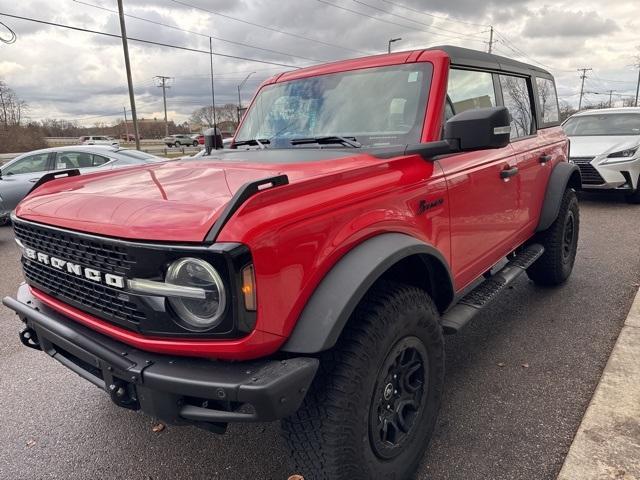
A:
372,407
560,242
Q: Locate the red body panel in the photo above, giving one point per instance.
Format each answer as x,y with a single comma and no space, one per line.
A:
297,233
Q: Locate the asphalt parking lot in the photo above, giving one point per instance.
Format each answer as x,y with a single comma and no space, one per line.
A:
519,379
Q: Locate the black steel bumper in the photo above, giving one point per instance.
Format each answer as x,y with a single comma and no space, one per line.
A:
177,390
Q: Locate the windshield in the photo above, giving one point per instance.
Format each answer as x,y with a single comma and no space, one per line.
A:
603,124
376,106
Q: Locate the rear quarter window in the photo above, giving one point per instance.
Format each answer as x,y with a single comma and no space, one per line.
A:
548,101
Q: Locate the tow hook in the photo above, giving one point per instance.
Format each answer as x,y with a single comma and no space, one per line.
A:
29,338
123,395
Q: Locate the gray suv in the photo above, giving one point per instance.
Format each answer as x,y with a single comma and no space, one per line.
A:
180,140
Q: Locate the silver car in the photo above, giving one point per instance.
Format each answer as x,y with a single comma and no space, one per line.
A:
19,175
605,145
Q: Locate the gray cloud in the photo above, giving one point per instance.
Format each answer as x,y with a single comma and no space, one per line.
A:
551,22
70,74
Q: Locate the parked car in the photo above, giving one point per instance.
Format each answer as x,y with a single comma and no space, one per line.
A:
18,176
605,144
309,272
180,140
198,138
129,138
98,140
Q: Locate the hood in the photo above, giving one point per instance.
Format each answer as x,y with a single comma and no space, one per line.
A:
597,145
170,201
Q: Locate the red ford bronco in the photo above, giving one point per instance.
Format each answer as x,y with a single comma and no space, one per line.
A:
365,208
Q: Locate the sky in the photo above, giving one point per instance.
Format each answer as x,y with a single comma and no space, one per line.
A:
81,76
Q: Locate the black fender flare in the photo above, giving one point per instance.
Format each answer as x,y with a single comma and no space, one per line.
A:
337,295
564,174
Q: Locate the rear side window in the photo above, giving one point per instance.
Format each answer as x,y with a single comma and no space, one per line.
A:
66,160
517,99
469,90
548,100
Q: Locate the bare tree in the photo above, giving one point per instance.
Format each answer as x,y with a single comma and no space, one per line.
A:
204,116
12,109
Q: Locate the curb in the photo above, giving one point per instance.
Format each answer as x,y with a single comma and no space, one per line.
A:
607,444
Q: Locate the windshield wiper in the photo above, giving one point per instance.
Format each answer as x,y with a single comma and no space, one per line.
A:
261,142
326,140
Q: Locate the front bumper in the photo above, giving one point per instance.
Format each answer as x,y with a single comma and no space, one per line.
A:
624,175
177,390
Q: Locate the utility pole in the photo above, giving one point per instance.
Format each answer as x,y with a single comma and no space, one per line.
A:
239,97
213,92
127,64
163,85
610,95
126,124
638,85
392,40
490,39
583,77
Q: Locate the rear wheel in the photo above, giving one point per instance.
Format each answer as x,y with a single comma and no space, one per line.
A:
373,405
177,144
195,143
560,242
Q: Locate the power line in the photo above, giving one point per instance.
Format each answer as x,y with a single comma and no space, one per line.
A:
456,34
142,19
511,46
150,42
378,19
12,35
265,27
449,19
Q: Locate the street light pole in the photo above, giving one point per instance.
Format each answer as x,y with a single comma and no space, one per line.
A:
240,98
392,40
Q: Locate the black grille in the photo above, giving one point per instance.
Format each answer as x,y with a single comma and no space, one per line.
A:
103,256
98,299
589,174
85,294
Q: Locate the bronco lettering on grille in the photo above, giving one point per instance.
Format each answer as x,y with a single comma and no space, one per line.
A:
75,269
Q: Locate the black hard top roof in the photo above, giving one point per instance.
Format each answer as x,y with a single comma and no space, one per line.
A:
474,58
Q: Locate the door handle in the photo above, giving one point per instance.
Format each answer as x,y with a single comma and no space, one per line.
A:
33,180
508,172
544,158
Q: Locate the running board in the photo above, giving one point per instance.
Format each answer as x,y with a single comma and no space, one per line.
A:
478,298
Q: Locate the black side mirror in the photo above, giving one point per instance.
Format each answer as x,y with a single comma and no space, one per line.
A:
479,129
212,139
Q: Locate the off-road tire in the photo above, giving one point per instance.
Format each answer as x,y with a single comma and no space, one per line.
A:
330,435
556,263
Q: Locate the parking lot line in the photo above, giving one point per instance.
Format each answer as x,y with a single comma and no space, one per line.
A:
607,444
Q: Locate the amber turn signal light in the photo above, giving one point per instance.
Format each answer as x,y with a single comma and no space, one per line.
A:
249,287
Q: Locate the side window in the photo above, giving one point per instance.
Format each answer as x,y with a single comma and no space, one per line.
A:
99,160
469,90
548,100
517,99
30,164
65,160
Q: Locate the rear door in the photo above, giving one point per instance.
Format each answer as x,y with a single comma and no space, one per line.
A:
534,162
484,186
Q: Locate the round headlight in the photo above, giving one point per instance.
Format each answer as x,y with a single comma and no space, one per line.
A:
201,314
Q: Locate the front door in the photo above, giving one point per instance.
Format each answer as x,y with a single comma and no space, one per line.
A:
484,188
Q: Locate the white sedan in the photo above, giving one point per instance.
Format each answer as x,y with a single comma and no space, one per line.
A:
605,145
